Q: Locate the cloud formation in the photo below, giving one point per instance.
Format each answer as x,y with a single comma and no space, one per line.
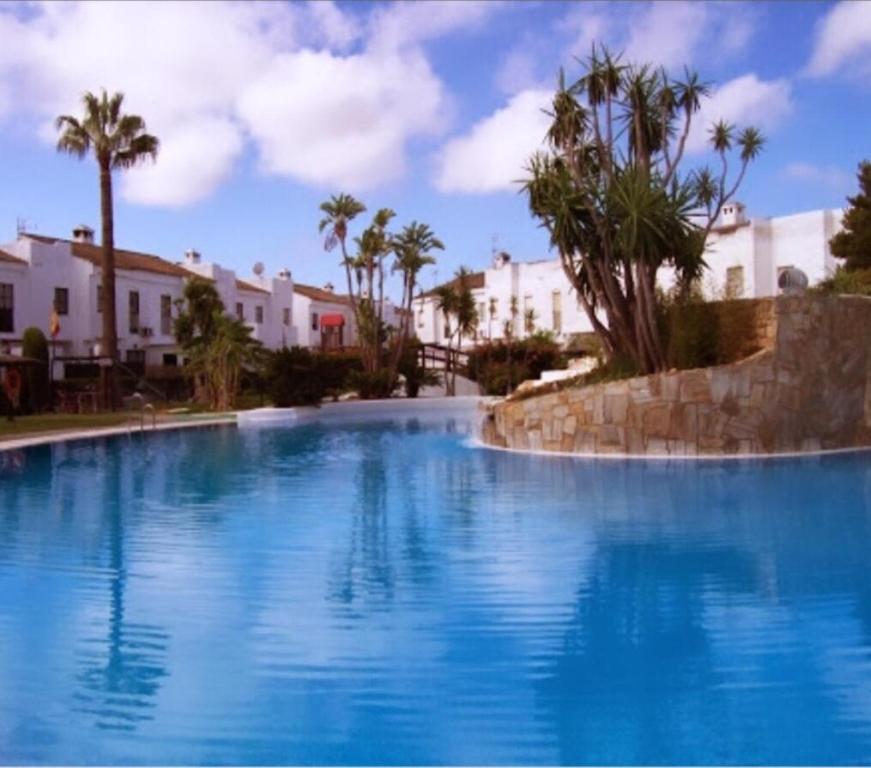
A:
327,96
744,101
491,156
843,37
830,176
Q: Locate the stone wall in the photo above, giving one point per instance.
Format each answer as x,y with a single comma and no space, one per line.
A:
809,389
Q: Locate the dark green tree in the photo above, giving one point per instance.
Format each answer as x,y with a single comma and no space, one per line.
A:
853,243
617,207
36,383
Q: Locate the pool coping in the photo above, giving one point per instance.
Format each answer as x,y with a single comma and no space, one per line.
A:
256,417
278,417
70,435
477,442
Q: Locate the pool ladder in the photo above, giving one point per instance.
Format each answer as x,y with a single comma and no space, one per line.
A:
143,409
149,408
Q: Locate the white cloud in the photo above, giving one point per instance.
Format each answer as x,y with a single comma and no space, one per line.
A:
667,33
843,37
491,156
830,176
277,73
745,101
184,170
341,121
672,34
400,24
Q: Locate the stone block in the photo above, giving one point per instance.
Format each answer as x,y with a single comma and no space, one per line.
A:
615,408
695,387
656,420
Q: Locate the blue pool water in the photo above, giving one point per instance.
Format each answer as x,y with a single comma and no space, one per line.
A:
387,593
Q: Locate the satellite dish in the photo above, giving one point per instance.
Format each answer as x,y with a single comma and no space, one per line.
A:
792,281
258,268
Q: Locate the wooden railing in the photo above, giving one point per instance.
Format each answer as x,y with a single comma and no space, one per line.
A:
442,358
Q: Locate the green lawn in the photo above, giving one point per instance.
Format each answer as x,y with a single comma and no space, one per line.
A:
53,422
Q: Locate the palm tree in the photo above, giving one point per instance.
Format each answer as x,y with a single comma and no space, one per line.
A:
412,247
118,141
456,302
340,210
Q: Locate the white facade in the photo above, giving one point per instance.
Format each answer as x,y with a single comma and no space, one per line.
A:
38,267
312,307
761,248
744,257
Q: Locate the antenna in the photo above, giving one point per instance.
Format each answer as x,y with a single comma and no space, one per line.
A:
20,226
494,247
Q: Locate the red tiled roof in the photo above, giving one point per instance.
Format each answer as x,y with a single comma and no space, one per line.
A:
133,261
319,294
8,257
241,285
475,281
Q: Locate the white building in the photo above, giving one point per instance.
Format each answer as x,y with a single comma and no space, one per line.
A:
744,256
38,273
323,319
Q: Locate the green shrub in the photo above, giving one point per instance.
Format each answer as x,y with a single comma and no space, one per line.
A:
856,282
699,334
498,367
371,385
414,374
298,376
36,394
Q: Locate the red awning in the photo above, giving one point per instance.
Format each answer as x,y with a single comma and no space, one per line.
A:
330,321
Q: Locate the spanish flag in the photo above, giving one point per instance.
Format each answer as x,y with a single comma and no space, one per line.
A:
54,324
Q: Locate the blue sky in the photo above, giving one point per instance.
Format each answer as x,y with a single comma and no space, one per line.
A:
428,108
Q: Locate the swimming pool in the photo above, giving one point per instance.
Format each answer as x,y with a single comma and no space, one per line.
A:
382,591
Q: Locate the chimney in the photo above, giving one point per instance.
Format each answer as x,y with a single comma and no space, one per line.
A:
329,287
191,256
83,234
501,259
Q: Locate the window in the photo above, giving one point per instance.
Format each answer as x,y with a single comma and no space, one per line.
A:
557,300
314,321
240,312
482,311
166,314
285,316
258,315
528,314
7,308
170,359
99,298
734,282
136,360
62,301
133,304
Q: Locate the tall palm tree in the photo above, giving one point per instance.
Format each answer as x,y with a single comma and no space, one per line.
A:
340,210
117,141
413,248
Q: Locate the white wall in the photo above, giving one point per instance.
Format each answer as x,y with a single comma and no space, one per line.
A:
51,265
307,336
759,246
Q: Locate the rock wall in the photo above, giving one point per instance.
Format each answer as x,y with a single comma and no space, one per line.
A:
809,389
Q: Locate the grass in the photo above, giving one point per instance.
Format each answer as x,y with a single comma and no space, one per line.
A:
54,422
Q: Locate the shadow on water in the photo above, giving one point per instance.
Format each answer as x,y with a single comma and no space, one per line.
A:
120,673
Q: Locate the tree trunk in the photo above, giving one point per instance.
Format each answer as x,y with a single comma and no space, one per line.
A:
108,374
